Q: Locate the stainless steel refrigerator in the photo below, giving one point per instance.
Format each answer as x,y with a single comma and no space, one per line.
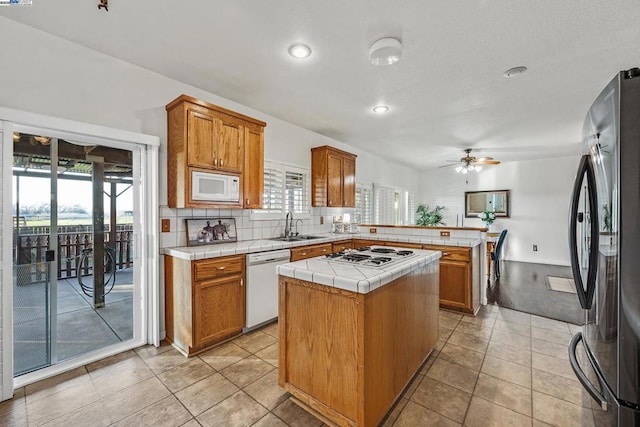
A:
604,240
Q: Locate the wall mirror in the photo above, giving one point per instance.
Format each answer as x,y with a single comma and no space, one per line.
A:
476,202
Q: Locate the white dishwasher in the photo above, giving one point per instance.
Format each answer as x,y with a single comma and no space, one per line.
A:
262,286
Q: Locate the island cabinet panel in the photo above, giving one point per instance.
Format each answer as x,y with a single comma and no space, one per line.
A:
204,301
346,356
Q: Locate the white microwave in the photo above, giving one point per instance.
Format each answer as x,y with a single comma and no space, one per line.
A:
214,187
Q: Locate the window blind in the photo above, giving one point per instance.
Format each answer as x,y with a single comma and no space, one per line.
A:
364,204
411,209
296,192
384,205
273,185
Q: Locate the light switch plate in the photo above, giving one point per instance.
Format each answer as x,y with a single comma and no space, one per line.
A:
373,230
445,234
166,225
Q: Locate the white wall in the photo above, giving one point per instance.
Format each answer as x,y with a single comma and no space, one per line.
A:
539,203
44,74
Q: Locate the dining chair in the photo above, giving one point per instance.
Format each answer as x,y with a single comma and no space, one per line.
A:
495,255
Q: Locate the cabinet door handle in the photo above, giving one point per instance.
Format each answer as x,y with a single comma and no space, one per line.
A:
241,282
445,254
329,202
247,201
324,250
220,268
304,253
215,162
221,162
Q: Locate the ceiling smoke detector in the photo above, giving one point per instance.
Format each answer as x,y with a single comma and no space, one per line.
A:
385,51
515,71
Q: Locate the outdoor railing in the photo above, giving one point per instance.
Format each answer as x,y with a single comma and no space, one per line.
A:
31,248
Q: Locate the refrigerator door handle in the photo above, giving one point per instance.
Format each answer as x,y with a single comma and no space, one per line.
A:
588,385
584,295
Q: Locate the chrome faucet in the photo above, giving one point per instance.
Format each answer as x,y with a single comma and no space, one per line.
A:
297,225
288,225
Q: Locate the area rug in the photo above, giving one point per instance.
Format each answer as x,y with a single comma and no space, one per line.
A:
561,284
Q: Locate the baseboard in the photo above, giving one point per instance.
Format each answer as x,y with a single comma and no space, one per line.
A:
539,261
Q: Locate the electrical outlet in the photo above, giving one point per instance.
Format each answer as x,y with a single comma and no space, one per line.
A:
535,248
166,225
445,234
373,230
321,220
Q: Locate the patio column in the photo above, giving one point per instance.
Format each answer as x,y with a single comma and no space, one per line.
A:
98,229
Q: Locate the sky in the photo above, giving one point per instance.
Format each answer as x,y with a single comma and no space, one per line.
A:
34,191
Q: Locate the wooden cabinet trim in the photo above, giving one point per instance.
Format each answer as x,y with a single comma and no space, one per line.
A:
186,98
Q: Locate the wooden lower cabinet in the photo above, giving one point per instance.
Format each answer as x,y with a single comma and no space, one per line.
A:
342,245
361,243
455,291
310,251
218,310
459,277
346,357
204,301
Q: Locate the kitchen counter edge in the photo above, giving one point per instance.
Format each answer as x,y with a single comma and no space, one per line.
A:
252,246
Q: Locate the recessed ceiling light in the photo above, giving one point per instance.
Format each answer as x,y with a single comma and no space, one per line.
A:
385,51
299,51
380,109
515,71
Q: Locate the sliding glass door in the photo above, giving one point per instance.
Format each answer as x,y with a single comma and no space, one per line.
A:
74,222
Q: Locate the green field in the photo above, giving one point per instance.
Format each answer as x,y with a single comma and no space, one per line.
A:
73,221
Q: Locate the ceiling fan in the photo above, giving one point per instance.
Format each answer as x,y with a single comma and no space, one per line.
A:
469,163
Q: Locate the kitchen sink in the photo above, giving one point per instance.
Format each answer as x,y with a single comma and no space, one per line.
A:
295,238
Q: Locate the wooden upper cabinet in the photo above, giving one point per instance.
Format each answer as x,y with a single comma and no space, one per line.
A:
253,168
230,146
205,137
200,137
333,181
349,182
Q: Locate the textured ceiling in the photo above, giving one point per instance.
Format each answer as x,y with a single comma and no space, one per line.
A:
447,93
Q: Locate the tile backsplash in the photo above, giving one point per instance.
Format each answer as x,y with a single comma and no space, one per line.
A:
246,228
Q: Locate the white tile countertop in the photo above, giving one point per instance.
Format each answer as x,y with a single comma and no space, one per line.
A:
262,245
353,277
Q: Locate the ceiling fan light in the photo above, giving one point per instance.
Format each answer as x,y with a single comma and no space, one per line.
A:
471,168
478,168
464,171
459,169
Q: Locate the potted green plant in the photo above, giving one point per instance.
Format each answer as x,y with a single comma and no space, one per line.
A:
429,217
488,217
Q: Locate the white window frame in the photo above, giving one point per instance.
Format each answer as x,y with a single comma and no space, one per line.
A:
146,242
263,215
360,215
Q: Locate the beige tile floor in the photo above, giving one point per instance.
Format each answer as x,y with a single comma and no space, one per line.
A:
500,368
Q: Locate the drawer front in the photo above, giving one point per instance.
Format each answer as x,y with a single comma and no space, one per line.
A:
404,245
211,268
305,252
451,253
359,243
341,246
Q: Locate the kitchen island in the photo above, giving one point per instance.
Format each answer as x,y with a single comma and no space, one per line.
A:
353,336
